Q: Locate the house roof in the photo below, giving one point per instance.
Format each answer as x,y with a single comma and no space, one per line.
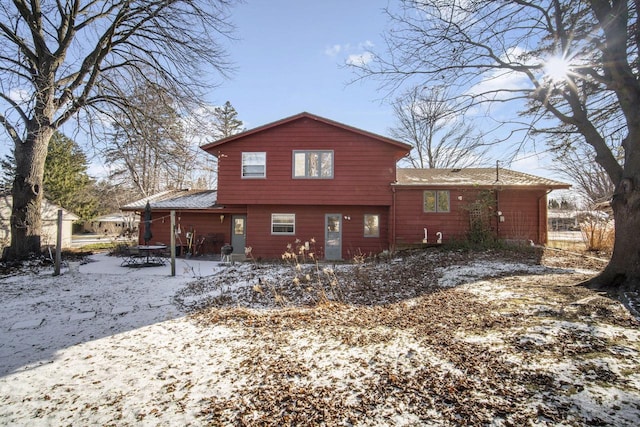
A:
476,177
116,217
402,146
49,210
176,199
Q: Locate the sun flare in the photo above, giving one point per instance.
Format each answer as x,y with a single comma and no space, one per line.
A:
557,68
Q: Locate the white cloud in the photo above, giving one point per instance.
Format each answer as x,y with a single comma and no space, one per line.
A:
368,44
355,54
500,84
333,50
20,96
359,58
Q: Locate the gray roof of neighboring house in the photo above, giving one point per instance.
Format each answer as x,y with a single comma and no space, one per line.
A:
477,177
176,199
116,217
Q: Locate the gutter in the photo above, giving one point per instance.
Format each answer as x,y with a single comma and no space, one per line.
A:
546,236
393,220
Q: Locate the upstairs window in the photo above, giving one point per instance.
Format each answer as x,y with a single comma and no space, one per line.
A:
436,201
254,165
313,164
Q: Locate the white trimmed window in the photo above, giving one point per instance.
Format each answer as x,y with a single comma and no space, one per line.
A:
313,164
436,201
254,165
282,223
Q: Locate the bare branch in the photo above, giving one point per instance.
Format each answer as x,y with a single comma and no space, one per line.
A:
497,52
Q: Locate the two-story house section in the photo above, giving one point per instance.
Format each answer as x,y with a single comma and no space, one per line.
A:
310,179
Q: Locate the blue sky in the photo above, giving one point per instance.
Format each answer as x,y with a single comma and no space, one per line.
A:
290,57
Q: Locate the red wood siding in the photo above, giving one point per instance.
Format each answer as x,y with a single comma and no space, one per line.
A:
363,167
310,223
411,220
524,213
202,223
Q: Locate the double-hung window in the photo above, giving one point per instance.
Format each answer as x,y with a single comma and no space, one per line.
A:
436,201
254,165
313,164
283,223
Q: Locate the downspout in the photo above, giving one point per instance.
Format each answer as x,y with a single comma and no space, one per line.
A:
393,219
497,214
542,240
497,189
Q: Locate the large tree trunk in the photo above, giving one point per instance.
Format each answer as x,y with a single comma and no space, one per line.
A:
622,274
26,221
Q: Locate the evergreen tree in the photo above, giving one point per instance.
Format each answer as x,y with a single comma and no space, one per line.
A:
226,121
66,182
8,173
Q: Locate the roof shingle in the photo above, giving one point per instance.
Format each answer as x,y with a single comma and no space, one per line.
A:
482,177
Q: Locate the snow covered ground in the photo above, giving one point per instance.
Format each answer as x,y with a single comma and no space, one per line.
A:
488,341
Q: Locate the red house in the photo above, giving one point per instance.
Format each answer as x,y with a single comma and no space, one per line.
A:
311,179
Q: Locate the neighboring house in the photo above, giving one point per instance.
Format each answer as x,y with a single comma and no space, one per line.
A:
571,219
115,224
49,222
563,220
309,178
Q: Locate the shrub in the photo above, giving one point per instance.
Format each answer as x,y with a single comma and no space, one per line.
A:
598,234
319,283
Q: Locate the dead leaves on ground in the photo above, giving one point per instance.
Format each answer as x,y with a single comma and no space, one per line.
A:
426,355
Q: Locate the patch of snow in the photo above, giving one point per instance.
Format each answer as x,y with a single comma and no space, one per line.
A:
82,316
122,309
27,324
458,274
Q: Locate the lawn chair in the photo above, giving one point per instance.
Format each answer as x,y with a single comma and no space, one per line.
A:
164,253
132,256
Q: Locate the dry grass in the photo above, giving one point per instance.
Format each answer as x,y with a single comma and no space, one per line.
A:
568,245
598,235
397,349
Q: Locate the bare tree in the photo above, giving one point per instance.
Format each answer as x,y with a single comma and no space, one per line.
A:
72,58
591,181
439,138
148,147
571,62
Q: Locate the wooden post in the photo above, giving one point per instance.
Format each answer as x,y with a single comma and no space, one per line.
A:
173,243
58,260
